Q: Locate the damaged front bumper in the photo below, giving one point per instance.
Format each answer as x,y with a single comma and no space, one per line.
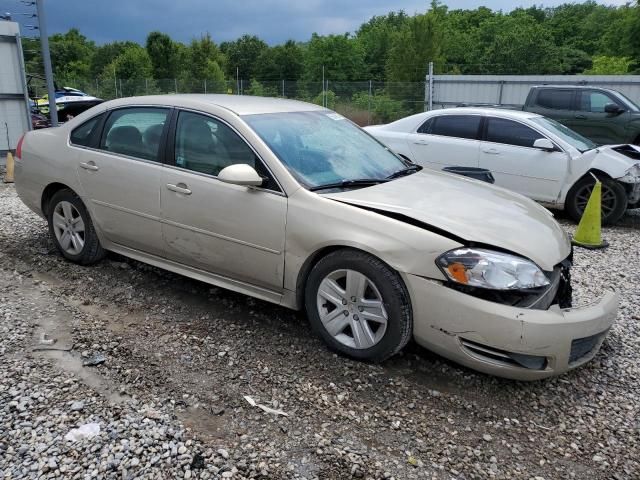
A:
511,342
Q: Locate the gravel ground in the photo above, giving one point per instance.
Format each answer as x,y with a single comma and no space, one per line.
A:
177,357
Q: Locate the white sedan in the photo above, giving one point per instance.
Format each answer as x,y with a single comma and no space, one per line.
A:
527,153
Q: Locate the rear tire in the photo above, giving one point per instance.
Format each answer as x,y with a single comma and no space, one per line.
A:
71,229
614,199
358,305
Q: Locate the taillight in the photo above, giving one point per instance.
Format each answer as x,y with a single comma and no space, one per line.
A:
19,148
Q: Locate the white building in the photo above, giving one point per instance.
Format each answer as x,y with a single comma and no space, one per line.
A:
15,118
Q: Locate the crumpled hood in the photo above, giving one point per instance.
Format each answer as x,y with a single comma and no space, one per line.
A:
615,160
472,210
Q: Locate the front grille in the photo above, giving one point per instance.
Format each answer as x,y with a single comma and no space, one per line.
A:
581,347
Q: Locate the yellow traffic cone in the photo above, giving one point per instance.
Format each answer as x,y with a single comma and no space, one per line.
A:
589,231
8,176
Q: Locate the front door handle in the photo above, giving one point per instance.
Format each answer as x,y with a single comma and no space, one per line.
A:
180,188
89,166
491,151
421,142
581,117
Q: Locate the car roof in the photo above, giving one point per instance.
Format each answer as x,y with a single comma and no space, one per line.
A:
239,104
579,87
496,112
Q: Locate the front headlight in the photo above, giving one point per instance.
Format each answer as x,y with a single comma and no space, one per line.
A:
477,267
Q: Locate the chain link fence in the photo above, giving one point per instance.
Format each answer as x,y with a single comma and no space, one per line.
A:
365,103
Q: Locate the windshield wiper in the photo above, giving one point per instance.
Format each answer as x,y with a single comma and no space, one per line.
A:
405,171
360,182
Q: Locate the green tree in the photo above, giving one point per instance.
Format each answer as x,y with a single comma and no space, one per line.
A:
603,65
163,54
130,71
418,43
516,44
106,54
340,55
282,62
71,55
242,55
375,37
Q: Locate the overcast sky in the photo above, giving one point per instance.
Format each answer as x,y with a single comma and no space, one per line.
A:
275,21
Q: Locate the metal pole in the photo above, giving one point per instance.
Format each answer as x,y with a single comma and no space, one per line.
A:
430,86
115,80
23,79
500,92
238,80
146,86
323,95
46,59
175,84
283,95
369,110
205,85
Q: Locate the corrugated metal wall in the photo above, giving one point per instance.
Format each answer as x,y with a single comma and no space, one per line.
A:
13,107
512,90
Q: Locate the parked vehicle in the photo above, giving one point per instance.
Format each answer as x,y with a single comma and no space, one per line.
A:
292,203
527,153
600,114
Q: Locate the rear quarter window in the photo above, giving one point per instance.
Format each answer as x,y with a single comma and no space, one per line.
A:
556,99
86,135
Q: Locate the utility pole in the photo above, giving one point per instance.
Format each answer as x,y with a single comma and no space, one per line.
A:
46,59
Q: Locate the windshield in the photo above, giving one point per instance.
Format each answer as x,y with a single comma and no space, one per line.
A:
631,105
322,148
565,133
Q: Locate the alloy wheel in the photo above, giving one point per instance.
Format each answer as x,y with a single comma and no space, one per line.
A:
68,227
609,199
351,309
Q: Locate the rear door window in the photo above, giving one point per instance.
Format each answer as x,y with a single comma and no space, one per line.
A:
556,99
500,130
135,132
458,126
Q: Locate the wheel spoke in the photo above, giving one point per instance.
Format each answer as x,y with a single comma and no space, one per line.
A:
363,337
78,224
66,209
330,290
58,220
373,310
65,240
356,285
335,322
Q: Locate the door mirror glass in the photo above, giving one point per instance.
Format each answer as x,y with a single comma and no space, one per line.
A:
613,108
241,174
544,144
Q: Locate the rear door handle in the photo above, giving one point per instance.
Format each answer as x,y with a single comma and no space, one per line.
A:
180,188
90,166
581,117
491,151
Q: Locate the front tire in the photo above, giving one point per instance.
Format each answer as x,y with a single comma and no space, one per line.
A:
358,305
71,229
614,199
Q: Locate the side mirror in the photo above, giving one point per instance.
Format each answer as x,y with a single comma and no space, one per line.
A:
241,174
613,108
544,144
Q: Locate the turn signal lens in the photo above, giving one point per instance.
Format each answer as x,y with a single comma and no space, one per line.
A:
458,272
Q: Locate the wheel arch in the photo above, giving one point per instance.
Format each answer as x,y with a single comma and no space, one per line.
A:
48,193
313,259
